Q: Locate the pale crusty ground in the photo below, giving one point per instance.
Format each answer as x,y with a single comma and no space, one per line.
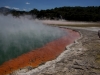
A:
63,22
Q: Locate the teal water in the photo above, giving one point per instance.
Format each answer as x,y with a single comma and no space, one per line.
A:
22,43
19,36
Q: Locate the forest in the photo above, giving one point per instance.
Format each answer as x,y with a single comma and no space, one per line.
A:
90,13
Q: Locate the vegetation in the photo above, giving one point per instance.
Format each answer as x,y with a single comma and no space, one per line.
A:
78,13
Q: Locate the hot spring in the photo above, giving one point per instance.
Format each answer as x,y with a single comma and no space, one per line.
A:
20,35
26,42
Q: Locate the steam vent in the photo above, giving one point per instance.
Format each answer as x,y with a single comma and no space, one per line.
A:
40,55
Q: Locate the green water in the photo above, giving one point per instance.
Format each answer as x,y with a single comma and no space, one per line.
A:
21,35
14,45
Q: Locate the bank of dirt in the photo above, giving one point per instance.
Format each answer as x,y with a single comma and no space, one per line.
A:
83,59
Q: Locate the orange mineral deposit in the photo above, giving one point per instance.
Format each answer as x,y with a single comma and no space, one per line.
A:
35,57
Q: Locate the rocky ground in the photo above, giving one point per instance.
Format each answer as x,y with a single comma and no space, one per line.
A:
83,59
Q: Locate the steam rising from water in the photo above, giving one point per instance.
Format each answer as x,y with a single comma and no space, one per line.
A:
20,35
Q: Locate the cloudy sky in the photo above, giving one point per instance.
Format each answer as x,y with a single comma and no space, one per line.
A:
45,4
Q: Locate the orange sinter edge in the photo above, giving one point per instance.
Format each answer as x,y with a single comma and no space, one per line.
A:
38,56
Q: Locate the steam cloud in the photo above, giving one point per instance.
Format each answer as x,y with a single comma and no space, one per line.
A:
20,35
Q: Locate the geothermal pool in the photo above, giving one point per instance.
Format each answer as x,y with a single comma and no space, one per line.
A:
25,42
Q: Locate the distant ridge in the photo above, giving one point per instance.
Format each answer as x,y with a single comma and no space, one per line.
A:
4,10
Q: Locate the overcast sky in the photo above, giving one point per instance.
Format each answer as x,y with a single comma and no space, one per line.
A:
45,4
